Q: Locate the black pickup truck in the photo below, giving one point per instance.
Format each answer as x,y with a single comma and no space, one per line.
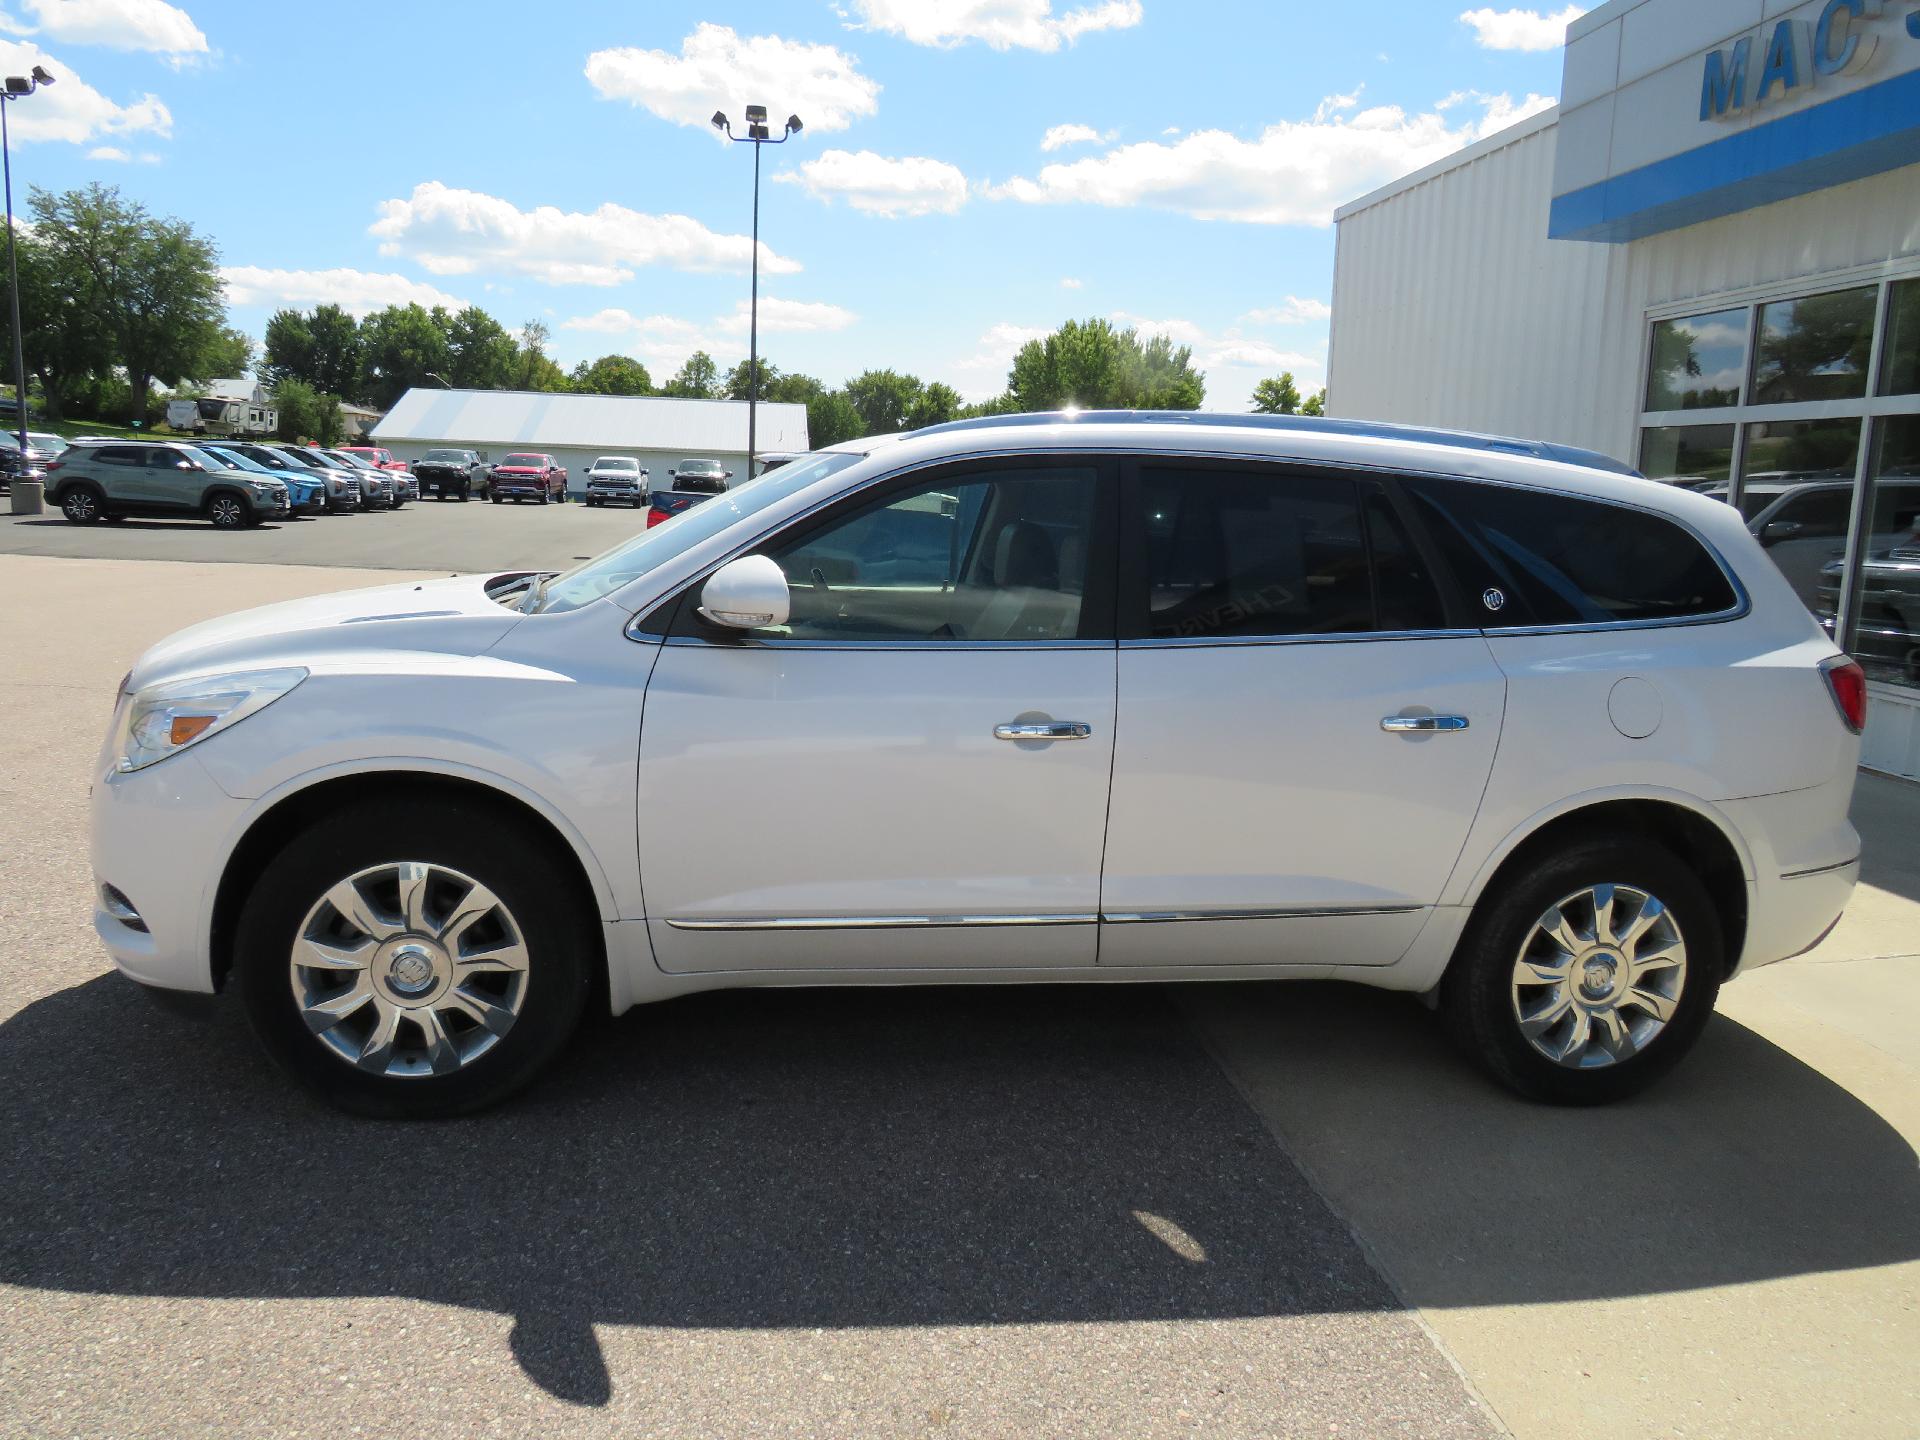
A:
451,474
690,482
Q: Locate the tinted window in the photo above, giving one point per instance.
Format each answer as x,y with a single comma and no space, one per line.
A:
120,455
998,557
1697,362
1815,348
1562,560
1253,552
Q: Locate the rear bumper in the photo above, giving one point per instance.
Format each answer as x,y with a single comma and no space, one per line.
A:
1806,862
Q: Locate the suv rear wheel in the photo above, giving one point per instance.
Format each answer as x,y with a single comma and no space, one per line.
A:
1590,975
229,512
413,961
82,503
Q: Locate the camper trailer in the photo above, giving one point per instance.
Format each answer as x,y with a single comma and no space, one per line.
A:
230,407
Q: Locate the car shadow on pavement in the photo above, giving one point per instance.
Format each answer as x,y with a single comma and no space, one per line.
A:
761,1160
185,522
890,1158
1744,1164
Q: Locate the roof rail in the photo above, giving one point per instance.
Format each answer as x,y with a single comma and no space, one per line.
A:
1309,424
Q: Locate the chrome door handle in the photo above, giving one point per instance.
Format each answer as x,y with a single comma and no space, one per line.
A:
1050,730
1422,724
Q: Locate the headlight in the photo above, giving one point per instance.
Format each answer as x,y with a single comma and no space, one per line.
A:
162,720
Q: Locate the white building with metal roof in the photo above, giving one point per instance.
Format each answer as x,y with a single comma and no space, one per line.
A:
660,431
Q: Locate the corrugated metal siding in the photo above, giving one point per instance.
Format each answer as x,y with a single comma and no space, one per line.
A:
491,419
1452,307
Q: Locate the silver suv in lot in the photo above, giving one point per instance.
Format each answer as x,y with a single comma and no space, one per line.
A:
95,480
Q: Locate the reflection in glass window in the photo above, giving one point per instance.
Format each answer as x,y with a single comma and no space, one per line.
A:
1697,456
1002,557
1798,497
1900,372
1886,602
1815,348
1698,362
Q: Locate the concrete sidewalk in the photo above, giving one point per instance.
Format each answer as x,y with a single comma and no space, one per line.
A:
1735,1254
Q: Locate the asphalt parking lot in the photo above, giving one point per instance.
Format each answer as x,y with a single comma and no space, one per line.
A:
1204,1210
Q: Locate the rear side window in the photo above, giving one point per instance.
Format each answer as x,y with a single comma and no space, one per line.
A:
120,455
1246,553
1530,558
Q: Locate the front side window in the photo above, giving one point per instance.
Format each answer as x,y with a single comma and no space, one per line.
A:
120,455
1234,553
1815,348
1698,361
965,558
1527,557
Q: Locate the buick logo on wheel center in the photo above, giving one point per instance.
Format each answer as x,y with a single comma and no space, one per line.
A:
1493,598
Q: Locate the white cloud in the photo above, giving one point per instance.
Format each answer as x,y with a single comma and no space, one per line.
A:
1521,29
1293,311
73,110
109,152
717,69
984,373
1181,332
1294,173
789,316
1002,24
1069,283
152,25
459,232
1061,135
359,292
880,185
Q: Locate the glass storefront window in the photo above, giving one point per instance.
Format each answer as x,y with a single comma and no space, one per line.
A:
1797,497
1900,371
1698,362
1815,348
1699,456
1886,601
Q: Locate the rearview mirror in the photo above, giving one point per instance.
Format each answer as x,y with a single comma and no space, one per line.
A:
1774,531
746,594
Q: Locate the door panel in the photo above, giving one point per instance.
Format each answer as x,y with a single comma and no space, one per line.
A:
1281,792
862,790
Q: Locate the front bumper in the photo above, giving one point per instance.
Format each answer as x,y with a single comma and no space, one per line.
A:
158,838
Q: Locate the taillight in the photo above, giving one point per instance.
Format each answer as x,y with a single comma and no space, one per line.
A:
654,517
1847,683
53,465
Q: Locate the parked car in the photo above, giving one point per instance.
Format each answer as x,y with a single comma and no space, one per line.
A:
31,463
617,478
343,486
1075,697
376,486
1803,526
376,455
306,490
527,476
398,485
1886,636
91,482
451,474
688,484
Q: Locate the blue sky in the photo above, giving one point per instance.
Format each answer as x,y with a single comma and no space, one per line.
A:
972,171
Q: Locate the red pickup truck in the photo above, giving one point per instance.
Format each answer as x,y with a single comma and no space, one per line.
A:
375,455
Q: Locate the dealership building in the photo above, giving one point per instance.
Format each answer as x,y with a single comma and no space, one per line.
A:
1706,262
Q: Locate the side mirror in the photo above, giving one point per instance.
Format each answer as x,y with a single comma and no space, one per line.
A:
1774,531
746,594
185,465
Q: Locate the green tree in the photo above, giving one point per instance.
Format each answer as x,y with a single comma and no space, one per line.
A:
612,375
735,386
308,414
936,404
533,368
481,352
65,349
1316,403
1090,364
289,349
152,285
698,379
831,418
884,399
335,365
1277,395
399,346
229,354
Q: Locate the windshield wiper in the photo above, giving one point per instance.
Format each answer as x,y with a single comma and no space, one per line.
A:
536,591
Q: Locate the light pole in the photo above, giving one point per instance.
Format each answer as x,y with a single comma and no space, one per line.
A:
17,86
757,135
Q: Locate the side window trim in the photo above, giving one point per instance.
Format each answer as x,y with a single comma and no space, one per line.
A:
674,621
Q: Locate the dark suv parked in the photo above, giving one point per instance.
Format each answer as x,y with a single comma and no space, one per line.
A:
450,474
96,480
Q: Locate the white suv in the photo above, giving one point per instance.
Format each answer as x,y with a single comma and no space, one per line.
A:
1094,698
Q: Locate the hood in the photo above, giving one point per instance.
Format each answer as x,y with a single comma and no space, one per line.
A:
447,617
516,469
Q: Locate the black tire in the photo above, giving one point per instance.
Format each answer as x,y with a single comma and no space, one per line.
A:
495,499
474,839
464,490
544,497
1478,996
228,511
83,504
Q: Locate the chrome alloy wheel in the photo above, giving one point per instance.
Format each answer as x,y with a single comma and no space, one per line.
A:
409,969
1599,976
227,513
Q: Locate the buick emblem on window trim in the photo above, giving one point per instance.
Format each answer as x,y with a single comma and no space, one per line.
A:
1494,598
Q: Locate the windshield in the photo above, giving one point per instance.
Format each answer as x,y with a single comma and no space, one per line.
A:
449,457
296,455
606,573
532,462
201,457
234,460
700,467
345,461
615,462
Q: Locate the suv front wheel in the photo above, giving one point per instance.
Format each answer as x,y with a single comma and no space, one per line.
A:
82,504
1590,975
229,512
